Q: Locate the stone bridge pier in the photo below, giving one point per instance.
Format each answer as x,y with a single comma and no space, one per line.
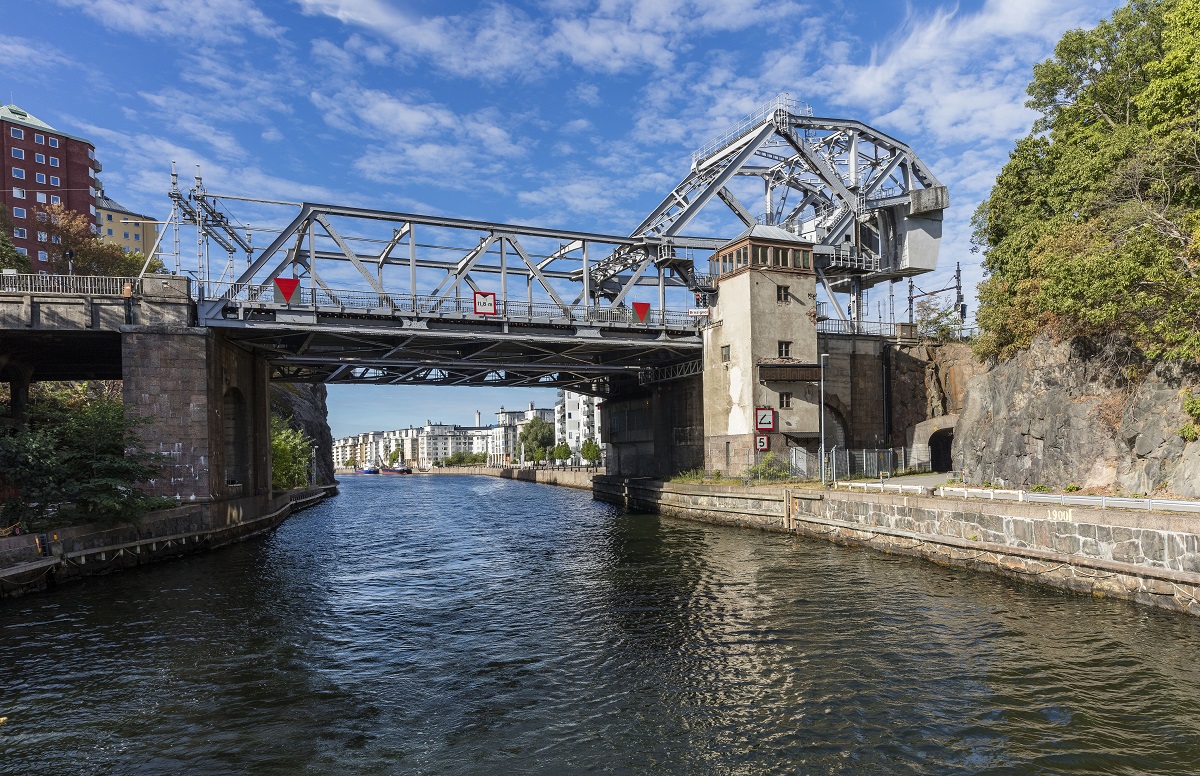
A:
203,399
207,406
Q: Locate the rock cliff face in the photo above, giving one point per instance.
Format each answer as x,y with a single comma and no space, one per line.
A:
1068,412
929,381
305,405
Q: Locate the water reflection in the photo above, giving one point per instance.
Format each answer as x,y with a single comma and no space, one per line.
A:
471,625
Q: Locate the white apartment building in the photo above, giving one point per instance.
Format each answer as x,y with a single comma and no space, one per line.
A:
423,446
576,419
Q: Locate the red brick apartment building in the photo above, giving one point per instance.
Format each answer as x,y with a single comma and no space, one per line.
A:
40,166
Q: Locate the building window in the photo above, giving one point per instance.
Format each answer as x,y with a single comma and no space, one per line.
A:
18,173
108,217
19,233
19,134
110,233
41,216
18,212
42,237
18,193
54,180
724,353
54,238
54,144
785,400
43,256
55,199
783,294
785,349
40,177
126,235
23,251
39,139
53,161
18,153
40,196
39,158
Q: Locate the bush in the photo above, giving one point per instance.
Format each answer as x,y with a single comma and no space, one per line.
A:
1071,488
770,467
291,454
1040,489
77,461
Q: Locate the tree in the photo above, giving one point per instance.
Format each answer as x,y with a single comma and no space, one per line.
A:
9,257
936,319
1092,227
590,451
535,438
78,460
562,451
393,457
291,454
73,232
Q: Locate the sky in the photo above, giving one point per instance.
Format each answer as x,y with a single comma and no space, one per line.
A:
563,113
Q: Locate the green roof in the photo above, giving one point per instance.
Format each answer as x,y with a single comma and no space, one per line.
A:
15,115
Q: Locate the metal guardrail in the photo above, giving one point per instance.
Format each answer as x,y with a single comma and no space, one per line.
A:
88,285
367,301
748,124
871,328
883,487
1069,500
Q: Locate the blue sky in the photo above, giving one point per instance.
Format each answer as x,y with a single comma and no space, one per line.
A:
560,113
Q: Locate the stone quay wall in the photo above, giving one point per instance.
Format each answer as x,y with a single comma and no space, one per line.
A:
41,560
580,479
1152,558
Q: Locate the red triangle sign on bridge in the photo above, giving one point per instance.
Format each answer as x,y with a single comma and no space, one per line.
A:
287,287
642,309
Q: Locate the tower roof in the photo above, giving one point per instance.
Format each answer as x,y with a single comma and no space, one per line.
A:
765,232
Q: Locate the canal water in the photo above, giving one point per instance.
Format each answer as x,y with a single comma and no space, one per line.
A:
474,625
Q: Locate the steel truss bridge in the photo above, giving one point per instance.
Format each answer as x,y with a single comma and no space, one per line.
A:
401,298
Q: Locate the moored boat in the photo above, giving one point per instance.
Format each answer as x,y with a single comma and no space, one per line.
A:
401,469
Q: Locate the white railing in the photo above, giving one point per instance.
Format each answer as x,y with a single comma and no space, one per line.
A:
373,302
748,124
86,285
882,487
1071,500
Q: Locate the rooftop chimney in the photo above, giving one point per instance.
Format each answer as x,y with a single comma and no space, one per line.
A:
478,419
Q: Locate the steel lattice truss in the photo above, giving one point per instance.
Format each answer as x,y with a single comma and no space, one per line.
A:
346,294
838,183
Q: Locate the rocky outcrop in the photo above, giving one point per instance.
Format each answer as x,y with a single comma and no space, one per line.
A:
929,381
1080,411
304,405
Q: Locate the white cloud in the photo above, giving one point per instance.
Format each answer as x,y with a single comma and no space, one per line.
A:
24,55
210,20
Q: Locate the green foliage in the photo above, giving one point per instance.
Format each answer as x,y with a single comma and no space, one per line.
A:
535,438
769,467
1091,227
562,451
291,454
393,457
590,451
352,463
1071,488
72,231
77,461
464,459
1191,406
9,258
1040,489
936,319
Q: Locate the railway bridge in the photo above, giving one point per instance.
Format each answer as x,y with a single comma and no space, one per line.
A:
684,335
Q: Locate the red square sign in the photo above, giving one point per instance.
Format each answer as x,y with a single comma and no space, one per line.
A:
485,303
762,442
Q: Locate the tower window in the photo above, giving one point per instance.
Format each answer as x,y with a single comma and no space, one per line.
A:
785,400
724,353
785,349
783,294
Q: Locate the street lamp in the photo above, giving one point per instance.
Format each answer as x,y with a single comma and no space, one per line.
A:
821,420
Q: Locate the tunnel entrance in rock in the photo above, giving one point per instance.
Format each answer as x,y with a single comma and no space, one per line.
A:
940,443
